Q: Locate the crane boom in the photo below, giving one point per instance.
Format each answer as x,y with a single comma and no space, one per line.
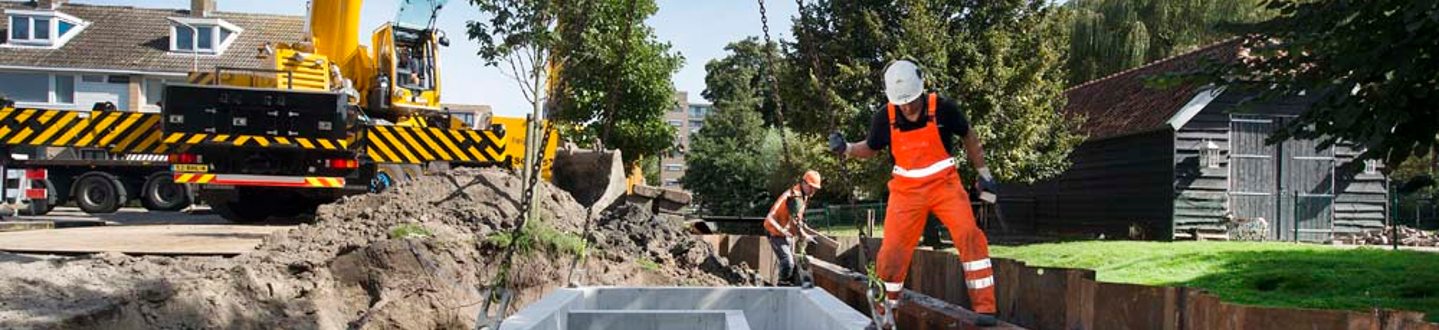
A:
335,28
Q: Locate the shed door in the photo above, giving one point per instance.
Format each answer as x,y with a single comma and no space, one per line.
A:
1309,188
1290,184
1253,169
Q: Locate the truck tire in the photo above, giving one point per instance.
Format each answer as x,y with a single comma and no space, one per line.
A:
98,193
243,206
161,193
43,207
241,212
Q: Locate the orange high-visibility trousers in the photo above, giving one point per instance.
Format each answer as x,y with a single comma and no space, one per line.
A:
910,203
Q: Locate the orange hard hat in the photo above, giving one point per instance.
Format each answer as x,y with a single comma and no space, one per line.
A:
812,179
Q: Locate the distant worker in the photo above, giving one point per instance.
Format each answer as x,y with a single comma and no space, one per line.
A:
920,128
784,226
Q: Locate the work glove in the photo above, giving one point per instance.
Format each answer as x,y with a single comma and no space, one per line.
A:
837,143
988,189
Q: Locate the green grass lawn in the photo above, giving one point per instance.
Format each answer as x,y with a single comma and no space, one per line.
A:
1269,274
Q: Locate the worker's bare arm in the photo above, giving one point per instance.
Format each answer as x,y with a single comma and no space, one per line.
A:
974,150
860,150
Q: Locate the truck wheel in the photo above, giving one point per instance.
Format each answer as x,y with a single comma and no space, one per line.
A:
43,207
161,193
241,212
99,193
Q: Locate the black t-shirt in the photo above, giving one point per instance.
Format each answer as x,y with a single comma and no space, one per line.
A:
951,123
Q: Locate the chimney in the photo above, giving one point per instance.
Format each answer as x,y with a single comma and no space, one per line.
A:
202,8
49,4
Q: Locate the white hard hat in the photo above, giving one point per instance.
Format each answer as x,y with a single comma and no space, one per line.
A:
902,82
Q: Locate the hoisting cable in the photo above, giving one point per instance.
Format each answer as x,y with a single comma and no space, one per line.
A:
612,103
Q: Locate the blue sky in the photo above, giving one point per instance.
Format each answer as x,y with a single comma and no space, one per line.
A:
698,29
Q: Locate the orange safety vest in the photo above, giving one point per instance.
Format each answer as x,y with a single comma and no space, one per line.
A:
778,220
919,154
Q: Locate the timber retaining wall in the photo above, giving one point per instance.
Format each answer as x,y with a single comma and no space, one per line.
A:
1068,298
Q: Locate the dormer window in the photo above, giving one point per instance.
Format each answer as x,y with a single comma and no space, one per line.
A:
38,28
201,35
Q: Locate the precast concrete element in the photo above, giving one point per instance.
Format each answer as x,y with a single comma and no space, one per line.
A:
728,308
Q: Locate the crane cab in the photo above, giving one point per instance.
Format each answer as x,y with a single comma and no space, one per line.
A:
406,85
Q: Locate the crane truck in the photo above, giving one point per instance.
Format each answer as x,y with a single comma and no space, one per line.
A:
330,118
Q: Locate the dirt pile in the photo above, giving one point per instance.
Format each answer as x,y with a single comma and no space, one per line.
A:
413,257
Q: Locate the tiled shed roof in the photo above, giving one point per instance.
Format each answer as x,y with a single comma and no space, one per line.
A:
1121,104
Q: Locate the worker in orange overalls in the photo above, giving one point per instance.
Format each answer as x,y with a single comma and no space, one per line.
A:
920,128
784,226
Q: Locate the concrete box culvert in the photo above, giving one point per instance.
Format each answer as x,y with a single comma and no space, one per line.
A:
728,308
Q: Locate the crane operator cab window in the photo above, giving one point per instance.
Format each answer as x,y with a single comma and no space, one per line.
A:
414,37
412,63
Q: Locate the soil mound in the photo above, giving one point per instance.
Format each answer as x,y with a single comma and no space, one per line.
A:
413,257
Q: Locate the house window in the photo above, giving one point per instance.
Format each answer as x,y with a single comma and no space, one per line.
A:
20,28
119,79
91,78
64,89
698,111
209,36
154,91
38,87
674,167
184,39
47,29
676,123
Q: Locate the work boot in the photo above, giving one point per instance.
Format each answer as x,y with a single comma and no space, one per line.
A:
986,320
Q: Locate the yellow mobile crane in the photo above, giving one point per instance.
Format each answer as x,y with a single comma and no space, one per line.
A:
329,119
332,118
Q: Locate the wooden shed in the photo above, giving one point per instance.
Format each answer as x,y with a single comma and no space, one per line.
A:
1172,163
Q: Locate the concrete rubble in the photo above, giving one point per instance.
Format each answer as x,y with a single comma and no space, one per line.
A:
413,257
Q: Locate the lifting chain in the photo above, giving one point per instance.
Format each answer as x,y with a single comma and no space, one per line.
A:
499,290
774,84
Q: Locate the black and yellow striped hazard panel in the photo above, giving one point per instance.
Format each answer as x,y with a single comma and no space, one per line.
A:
120,132
189,139
398,144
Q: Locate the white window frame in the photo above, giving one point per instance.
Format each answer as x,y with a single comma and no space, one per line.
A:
55,40
217,45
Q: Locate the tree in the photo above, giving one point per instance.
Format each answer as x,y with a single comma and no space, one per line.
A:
595,63
1372,65
1002,60
1108,36
620,80
726,172
736,161
519,40
738,81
